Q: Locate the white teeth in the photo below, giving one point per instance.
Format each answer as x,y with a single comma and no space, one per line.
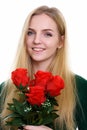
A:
37,49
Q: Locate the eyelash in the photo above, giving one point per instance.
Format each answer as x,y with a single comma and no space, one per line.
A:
30,33
47,34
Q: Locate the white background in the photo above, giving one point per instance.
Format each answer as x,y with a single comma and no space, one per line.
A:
12,17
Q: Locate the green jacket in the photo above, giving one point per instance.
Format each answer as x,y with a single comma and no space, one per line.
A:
80,114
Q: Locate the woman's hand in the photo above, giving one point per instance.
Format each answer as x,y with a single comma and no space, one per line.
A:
41,127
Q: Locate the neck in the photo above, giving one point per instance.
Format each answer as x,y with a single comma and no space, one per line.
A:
40,66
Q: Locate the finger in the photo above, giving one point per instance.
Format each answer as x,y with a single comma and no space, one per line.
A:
30,127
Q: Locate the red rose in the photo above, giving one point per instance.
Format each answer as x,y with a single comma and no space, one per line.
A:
32,82
19,77
36,95
55,85
41,78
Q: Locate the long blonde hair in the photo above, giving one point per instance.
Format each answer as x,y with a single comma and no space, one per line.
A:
67,99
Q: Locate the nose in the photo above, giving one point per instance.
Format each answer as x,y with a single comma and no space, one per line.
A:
37,39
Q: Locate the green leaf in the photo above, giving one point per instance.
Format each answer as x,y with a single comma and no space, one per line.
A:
17,105
11,116
16,122
53,101
22,88
11,107
49,118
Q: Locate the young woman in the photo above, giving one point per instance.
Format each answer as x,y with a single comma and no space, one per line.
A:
43,46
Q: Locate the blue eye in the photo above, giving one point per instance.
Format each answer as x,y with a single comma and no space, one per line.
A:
48,34
30,33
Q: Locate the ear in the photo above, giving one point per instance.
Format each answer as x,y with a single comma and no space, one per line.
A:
61,42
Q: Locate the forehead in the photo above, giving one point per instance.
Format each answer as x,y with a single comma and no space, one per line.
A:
42,21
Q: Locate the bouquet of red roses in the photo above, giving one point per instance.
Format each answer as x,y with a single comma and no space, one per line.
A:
37,106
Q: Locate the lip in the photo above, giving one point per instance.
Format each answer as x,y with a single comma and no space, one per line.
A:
38,49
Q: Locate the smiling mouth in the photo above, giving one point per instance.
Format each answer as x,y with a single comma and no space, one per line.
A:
38,49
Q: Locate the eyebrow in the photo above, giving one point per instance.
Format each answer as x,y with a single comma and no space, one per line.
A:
42,30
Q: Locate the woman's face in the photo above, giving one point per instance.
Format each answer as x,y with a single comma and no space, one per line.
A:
42,38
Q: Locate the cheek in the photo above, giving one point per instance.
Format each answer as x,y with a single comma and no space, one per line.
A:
55,42
54,45
29,42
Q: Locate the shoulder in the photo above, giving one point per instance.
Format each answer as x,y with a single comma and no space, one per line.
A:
1,94
80,80
81,107
2,86
81,85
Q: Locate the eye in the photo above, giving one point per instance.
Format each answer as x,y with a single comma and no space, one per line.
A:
29,33
47,34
